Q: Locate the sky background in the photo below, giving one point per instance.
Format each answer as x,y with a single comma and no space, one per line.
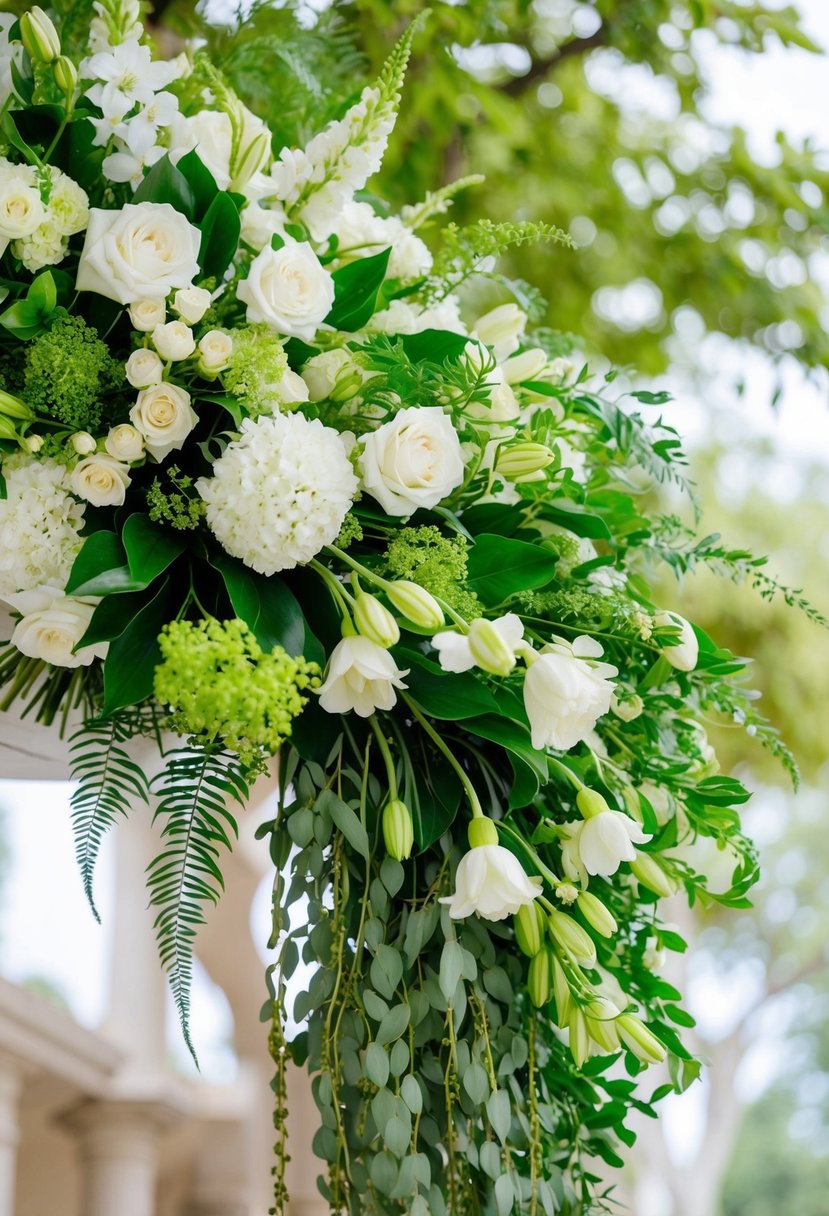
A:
46,929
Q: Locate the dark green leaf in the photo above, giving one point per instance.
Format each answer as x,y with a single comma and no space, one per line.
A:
220,230
165,183
265,604
498,567
200,180
355,291
130,664
447,696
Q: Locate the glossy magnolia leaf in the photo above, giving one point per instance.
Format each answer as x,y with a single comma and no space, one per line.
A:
101,567
356,287
499,566
265,604
200,180
150,548
132,658
220,231
447,696
165,183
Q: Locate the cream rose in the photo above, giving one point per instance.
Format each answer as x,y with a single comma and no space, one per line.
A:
51,626
83,443
140,252
144,368
174,340
101,480
413,461
146,314
21,209
289,290
164,417
191,303
215,349
124,443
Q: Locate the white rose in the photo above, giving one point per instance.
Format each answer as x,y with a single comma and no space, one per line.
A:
291,388
361,676
21,209
52,624
566,692
600,844
164,417
83,443
215,349
413,461
289,290
191,303
501,329
101,480
144,368
146,314
124,443
490,881
684,656
139,252
321,371
174,340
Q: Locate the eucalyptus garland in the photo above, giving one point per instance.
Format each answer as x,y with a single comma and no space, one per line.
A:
274,482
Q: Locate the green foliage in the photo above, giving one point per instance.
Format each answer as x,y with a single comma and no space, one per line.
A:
435,561
464,252
195,791
177,506
109,782
68,372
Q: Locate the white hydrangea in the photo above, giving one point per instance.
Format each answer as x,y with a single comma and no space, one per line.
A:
361,233
403,317
39,526
66,213
314,183
280,492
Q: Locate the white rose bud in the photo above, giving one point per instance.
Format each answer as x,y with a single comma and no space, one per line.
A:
144,368
101,480
628,708
33,443
191,303
501,329
21,210
174,340
83,443
164,417
146,314
683,656
124,443
288,289
412,461
215,350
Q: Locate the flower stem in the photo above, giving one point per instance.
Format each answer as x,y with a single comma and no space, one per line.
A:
474,801
388,760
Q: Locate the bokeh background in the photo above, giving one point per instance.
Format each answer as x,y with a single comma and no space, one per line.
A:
685,146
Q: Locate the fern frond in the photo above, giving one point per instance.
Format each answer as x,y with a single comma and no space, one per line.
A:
438,202
193,795
109,783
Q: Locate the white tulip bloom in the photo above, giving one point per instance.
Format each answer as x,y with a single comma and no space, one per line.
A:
490,881
600,844
361,676
566,691
684,656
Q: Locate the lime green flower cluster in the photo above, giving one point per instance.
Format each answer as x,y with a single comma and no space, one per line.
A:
68,370
177,503
436,562
219,682
257,366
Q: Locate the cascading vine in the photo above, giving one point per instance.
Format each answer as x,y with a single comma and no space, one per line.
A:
287,475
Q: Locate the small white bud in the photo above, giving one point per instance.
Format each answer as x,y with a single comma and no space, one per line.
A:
83,443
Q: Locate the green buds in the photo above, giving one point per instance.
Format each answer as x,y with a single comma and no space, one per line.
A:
523,460
398,832
591,802
638,1039
572,939
13,407
415,603
481,831
66,75
596,914
489,649
651,875
374,621
529,929
39,36
250,159
540,977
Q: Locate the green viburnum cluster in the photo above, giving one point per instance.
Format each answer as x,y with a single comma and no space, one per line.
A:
436,562
68,370
177,505
257,365
219,682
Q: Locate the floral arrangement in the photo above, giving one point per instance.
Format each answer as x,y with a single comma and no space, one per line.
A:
272,481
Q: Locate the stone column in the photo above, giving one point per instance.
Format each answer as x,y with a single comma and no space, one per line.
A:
10,1085
118,1145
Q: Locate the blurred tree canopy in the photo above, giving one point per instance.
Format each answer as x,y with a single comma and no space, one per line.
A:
589,115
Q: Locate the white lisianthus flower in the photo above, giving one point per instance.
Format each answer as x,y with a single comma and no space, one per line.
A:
362,233
191,303
289,290
600,844
261,224
144,368
40,523
140,252
685,655
460,652
566,691
412,461
280,492
403,317
361,676
490,880
124,443
164,417
145,315
101,480
215,350
52,624
501,328
174,340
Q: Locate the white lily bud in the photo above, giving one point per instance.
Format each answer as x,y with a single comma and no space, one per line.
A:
489,648
526,366
415,603
683,656
596,914
600,1017
649,872
561,992
501,329
66,75
374,621
523,460
398,830
572,939
250,159
579,1038
39,36
641,1041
